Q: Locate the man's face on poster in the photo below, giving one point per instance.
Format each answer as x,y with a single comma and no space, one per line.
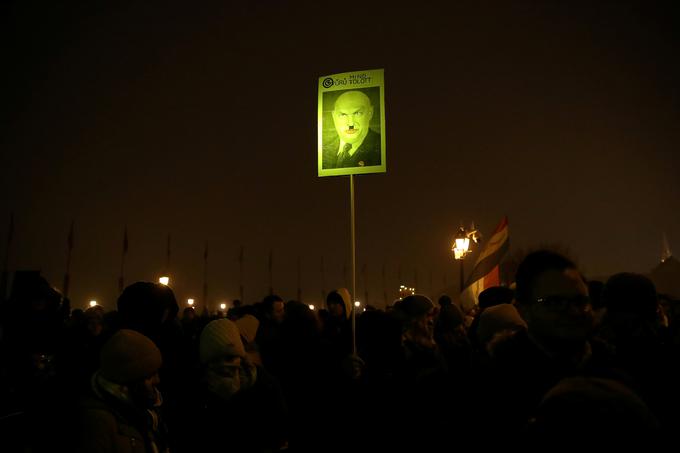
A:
352,115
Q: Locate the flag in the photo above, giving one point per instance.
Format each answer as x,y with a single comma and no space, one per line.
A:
485,272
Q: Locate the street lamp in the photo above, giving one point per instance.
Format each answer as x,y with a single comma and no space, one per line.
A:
93,303
461,248
164,280
190,302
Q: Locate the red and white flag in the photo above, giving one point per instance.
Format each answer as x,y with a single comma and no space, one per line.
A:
486,273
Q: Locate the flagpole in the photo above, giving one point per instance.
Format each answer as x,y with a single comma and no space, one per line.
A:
365,285
67,277
323,282
271,272
353,250
206,312
299,279
415,278
5,270
121,277
167,258
384,282
240,286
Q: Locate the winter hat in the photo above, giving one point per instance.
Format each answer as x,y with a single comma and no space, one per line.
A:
96,312
631,293
415,306
593,409
247,326
129,356
220,338
144,305
495,295
451,316
497,318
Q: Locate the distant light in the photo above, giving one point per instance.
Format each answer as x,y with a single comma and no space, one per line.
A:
164,281
357,304
223,306
364,309
311,307
93,303
190,301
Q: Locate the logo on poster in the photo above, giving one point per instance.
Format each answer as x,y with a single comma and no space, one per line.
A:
353,79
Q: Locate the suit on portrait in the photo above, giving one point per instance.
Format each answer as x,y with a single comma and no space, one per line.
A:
367,155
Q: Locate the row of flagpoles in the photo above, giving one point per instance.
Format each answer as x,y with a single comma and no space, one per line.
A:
484,273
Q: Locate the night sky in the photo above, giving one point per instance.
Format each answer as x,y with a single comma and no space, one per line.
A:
199,121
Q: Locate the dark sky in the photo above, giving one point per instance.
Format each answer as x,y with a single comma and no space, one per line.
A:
199,121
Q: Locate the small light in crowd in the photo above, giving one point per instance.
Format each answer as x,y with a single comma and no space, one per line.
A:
357,304
311,307
364,309
190,301
93,303
164,281
223,306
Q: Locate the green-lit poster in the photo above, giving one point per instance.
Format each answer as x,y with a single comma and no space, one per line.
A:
351,123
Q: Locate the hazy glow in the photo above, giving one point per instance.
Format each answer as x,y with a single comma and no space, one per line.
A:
164,281
357,303
190,301
311,307
223,306
93,303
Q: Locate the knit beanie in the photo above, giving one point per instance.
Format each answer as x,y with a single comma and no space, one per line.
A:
594,408
451,316
220,338
495,295
415,306
631,293
248,325
129,356
497,318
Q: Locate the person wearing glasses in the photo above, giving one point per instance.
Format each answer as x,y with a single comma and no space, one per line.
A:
552,298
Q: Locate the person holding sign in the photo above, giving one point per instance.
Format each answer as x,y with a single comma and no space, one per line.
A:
356,145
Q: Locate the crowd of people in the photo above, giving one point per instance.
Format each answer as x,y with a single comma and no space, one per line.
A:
553,360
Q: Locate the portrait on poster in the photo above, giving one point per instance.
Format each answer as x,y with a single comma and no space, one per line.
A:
351,124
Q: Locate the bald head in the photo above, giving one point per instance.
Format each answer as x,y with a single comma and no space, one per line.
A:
352,115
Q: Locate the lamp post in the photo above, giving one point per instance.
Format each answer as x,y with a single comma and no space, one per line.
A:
461,247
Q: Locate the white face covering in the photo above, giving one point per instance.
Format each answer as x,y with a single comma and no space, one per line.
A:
223,387
225,378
